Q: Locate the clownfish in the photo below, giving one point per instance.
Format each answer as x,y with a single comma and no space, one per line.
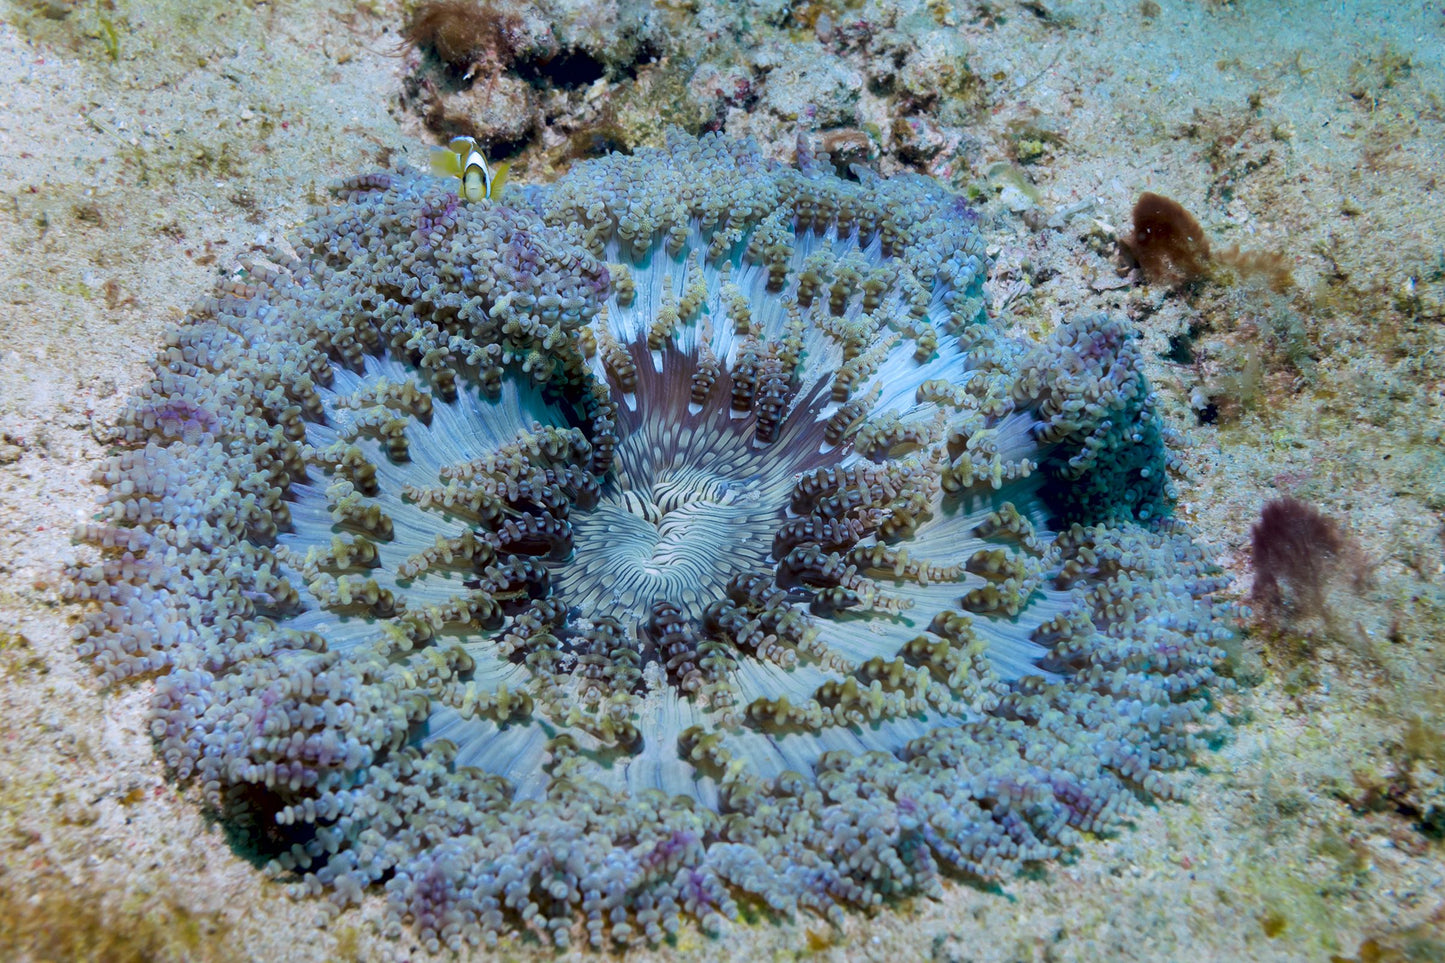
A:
463,159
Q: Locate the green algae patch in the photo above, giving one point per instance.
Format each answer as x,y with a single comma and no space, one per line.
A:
1288,902
49,919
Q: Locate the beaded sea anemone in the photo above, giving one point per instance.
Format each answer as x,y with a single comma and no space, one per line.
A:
683,536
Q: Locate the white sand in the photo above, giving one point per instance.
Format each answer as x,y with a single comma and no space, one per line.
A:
125,186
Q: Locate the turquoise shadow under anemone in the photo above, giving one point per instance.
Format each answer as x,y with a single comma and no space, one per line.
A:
683,534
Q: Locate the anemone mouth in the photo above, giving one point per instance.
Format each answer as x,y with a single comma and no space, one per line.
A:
691,533
692,501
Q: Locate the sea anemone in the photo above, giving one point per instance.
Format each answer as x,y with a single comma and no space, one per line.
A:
686,535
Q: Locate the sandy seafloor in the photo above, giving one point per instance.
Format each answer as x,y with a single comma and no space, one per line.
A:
1311,130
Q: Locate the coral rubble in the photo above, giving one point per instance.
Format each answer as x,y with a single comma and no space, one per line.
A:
682,535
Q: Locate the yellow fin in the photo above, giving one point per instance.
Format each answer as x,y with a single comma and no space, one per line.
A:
445,162
499,179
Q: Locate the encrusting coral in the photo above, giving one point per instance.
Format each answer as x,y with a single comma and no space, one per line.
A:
685,534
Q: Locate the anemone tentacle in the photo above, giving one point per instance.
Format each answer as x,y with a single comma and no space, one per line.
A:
684,534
